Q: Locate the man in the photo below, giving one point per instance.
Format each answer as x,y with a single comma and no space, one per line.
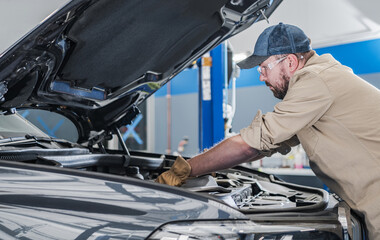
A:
333,113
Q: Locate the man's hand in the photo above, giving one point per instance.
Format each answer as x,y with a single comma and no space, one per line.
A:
177,174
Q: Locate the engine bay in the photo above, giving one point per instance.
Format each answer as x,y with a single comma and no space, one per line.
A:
241,188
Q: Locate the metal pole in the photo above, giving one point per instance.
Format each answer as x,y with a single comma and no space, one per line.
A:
121,141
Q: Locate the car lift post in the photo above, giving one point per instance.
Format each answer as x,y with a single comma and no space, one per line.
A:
212,81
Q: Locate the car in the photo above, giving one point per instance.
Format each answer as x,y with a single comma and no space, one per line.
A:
94,62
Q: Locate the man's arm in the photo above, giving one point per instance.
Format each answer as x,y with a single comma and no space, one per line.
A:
226,154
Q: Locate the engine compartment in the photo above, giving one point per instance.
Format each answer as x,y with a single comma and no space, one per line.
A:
245,189
249,192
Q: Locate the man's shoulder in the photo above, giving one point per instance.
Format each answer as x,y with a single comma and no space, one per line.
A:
318,69
317,64
306,76
307,83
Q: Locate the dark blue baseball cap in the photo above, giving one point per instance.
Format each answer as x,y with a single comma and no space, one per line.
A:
276,40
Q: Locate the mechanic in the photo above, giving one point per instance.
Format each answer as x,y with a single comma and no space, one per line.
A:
333,113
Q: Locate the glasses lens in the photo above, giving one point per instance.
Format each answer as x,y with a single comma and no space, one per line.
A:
261,70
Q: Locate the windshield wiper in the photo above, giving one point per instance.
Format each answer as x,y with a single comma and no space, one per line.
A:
34,140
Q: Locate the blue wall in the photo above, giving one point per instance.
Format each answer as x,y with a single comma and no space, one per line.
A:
362,57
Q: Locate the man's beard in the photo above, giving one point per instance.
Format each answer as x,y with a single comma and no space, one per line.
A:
280,92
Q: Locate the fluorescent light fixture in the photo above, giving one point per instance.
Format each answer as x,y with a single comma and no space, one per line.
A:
237,57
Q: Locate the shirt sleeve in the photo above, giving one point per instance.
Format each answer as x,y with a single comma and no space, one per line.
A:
307,99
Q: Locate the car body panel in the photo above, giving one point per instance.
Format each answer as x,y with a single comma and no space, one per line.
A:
45,203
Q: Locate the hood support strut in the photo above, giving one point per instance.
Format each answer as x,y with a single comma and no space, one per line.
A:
121,141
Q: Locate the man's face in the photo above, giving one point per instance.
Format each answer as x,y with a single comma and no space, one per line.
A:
275,75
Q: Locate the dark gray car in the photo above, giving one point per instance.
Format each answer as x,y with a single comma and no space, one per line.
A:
94,62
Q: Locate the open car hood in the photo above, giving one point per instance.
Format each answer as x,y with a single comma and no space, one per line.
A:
96,60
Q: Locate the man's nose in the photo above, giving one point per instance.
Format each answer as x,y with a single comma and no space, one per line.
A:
262,78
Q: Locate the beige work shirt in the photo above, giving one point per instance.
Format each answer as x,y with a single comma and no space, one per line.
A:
336,117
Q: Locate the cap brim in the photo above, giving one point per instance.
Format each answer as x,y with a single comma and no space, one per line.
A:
252,61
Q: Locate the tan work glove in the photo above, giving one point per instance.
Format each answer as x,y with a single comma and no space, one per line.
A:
177,174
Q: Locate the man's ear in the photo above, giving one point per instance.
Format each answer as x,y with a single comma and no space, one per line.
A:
293,62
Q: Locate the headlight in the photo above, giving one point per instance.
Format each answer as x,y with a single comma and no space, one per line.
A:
244,230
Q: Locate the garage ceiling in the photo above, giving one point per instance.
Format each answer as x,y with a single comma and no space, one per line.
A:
326,22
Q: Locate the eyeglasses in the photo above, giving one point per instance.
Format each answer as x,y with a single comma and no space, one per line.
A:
263,69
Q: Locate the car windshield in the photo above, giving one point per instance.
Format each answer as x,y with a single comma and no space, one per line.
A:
14,125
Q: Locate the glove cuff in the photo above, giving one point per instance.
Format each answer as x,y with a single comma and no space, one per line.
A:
177,174
181,168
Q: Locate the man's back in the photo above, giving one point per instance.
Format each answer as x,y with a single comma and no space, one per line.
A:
344,143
